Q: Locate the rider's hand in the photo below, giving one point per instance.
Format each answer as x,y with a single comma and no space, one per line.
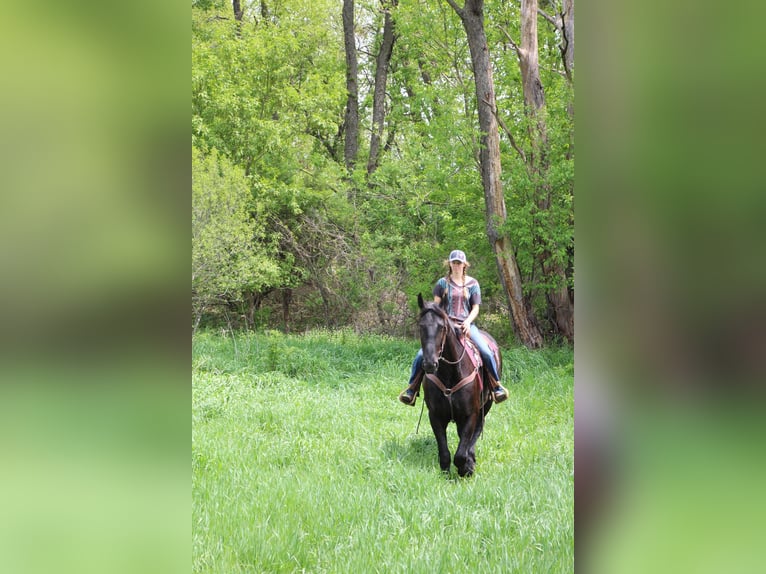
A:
466,327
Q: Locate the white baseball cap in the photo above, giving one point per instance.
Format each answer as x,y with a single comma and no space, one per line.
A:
457,255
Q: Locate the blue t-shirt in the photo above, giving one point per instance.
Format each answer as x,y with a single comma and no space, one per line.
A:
458,300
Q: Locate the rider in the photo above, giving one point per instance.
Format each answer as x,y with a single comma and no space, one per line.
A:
460,295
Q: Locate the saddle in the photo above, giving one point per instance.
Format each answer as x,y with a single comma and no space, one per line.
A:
475,355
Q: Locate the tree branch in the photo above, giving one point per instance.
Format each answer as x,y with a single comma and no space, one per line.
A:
548,17
510,40
328,145
455,7
501,123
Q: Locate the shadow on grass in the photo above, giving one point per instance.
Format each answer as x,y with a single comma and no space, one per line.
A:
419,451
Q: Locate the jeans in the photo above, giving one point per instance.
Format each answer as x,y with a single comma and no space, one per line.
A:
486,355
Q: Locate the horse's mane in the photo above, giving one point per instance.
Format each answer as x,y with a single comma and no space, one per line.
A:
429,306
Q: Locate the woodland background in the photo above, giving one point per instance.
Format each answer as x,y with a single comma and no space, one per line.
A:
340,151
671,309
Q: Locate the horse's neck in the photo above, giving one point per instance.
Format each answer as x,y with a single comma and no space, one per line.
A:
453,347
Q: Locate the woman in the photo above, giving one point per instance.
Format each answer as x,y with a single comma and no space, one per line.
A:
460,295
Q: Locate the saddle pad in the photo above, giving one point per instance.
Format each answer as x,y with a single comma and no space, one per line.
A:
495,350
474,353
492,344
475,356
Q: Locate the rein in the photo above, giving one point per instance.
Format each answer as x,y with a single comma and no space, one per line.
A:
444,341
450,362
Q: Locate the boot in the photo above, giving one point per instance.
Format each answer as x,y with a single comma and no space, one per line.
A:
410,394
499,394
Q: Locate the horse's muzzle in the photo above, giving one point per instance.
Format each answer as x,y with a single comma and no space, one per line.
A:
430,366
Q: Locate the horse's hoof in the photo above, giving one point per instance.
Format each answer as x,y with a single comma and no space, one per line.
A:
408,397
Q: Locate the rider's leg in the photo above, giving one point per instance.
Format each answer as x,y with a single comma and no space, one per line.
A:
498,391
408,396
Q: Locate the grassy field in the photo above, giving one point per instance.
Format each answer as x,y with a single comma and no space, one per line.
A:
303,460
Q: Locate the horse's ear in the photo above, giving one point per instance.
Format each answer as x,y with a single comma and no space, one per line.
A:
420,300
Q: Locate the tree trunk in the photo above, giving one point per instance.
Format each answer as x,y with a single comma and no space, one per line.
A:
567,37
381,77
534,96
351,123
238,11
559,298
534,99
287,297
472,16
253,301
250,309
567,41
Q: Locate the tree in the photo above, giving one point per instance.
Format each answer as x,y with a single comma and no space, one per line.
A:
548,253
564,23
472,16
381,77
229,256
283,95
568,37
351,121
238,10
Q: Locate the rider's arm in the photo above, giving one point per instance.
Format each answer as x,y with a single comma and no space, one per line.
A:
466,326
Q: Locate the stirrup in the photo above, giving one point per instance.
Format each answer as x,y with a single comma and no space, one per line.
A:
407,398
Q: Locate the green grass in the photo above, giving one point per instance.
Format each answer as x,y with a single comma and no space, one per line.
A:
303,460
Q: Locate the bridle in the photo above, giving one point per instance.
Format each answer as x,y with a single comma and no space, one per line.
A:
447,326
448,392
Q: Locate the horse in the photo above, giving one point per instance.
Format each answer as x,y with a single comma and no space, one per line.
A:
453,385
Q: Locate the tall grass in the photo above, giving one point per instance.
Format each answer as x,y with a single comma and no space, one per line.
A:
303,460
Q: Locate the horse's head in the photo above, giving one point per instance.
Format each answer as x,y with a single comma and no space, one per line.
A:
433,325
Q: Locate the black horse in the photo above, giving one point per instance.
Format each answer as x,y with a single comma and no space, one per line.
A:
453,386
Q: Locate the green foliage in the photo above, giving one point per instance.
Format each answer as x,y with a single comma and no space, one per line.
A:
229,254
208,4
269,95
260,93
291,471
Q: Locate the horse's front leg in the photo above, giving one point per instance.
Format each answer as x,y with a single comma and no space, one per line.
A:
465,459
439,426
478,429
